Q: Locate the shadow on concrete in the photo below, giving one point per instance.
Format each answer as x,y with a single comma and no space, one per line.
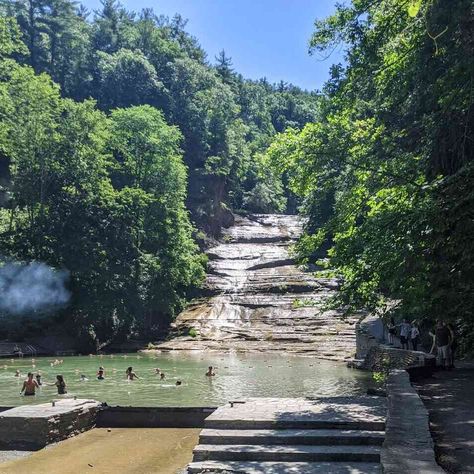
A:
449,398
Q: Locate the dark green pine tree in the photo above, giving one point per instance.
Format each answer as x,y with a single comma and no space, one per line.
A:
224,67
30,15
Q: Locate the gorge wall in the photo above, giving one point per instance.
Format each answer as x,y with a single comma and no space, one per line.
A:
259,300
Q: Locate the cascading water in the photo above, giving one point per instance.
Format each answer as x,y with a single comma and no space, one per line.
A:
262,301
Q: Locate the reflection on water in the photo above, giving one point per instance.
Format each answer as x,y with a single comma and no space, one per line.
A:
238,375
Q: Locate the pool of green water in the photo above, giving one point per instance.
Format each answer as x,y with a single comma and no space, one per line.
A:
237,375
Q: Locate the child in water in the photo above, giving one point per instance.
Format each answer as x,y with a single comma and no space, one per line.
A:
101,373
38,379
210,372
131,375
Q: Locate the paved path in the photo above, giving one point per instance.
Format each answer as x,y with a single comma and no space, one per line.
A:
449,398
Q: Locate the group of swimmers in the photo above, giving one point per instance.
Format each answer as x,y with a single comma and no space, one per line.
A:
34,382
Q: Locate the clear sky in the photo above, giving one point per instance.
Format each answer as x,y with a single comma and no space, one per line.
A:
264,38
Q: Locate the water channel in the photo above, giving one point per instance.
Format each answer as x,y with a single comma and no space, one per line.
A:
238,375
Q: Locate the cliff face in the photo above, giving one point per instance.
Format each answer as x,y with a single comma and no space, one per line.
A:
260,300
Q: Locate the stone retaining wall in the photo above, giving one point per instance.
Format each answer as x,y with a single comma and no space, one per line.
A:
408,446
32,427
381,358
153,417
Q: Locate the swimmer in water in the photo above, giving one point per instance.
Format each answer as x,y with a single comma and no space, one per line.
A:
29,385
131,375
178,382
83,378
101,373
17,373
38,379
60,384
157,371
210,372
162,376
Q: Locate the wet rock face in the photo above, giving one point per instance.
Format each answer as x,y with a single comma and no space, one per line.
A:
261,301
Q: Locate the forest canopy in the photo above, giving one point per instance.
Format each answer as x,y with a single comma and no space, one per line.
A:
123,146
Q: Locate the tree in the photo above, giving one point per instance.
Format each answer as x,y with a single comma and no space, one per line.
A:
381,172
127,78
224,67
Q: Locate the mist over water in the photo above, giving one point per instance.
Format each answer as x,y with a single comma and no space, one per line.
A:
27,288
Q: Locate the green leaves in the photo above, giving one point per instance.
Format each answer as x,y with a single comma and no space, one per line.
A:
414,7
384,174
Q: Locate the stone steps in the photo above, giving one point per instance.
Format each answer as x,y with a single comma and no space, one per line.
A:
295,437
339,435
254,452
283,467
309,424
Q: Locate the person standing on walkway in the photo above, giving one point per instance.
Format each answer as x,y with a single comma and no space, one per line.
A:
442,339
453,345
405,329
392,331
414,335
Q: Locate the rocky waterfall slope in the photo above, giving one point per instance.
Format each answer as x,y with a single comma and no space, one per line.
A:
260,300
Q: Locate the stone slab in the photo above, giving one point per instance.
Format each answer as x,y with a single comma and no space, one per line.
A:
210,467
366,413
246,452
46,410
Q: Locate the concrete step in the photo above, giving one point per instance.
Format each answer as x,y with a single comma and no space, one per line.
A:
298,437
210,467
294,424
245,452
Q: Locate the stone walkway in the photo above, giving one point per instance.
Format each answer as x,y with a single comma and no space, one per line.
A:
449,398
331,435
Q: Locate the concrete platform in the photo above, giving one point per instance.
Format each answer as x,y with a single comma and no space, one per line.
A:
360,413
32,427
284,467
298,437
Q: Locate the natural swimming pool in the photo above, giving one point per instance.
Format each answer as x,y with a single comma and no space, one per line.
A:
238,375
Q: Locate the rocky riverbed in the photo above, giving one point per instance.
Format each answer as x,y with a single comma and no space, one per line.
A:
259,300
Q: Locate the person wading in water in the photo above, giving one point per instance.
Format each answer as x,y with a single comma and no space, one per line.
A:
131,375
29,385
61,384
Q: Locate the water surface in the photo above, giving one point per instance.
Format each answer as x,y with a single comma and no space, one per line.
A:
238,375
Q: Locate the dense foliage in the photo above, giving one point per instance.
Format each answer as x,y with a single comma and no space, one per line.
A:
122,59
103,197
387,173
113,126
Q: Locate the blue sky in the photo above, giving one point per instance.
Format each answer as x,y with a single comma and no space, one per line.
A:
264,37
